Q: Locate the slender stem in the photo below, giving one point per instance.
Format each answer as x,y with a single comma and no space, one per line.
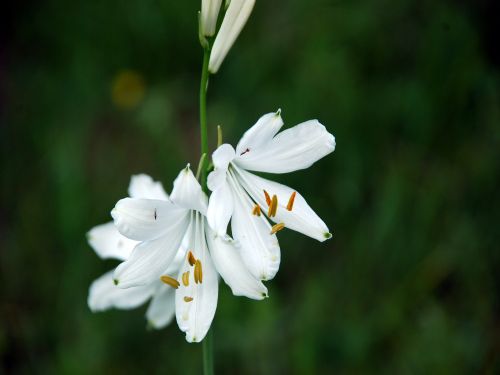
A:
203,115
207,345
208,358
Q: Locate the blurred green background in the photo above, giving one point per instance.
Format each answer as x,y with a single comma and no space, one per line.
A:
93,92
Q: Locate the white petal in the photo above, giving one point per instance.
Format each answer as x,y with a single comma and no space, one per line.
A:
209,13
161,310
260,134
301,218
107,242
195,317
292,149
145,219
187,192
103,294
235,18
143,186
227,260
260,249
150,259
220,209
222,156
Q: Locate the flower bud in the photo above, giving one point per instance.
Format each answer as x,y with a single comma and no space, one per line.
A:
234,20
209,13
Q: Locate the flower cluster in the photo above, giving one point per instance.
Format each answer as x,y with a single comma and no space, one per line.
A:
173,248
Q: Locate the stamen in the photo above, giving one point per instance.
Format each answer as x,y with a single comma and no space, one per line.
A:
289,206
198,272
256,210
170,281
191,258
273,207
268,198
188,299
185,278
277,227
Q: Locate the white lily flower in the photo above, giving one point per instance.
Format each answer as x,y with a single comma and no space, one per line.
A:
107,242
235,18
161,226
243,197
209,14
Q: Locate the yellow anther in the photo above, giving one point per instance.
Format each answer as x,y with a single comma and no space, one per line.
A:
185,278
289,206
191,258
268,198
277,227
198,272
273,206
170,281
188,299
256,210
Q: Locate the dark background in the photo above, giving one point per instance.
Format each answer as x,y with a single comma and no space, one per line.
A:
94,91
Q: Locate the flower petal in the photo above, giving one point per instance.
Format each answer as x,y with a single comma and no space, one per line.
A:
235,18
209,13
260,249
223,155
292,149
196,302
187,192
227,260
103,294
150,259
161,310
220,209
143,186
300,218
260,134
107,242
145,219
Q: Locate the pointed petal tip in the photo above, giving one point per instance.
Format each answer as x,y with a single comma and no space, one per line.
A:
116,281
278,112
327,235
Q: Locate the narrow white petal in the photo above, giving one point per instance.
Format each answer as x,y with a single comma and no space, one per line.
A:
220,209
107,242
195,304
161,310
222,156
187,192
260,134
301,218
260,249
103,294
145,219
150,259
143,186
236,16
227,260
209,13
292,149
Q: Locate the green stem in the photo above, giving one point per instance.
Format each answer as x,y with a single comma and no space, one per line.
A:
203,115
207,345
208,357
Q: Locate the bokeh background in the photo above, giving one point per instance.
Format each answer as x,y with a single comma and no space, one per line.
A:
95,91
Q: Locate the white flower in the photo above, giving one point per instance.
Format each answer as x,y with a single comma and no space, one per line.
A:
244,198
235,18
209,13
109,243
160,226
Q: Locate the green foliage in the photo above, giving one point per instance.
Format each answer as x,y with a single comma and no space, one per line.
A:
409,281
